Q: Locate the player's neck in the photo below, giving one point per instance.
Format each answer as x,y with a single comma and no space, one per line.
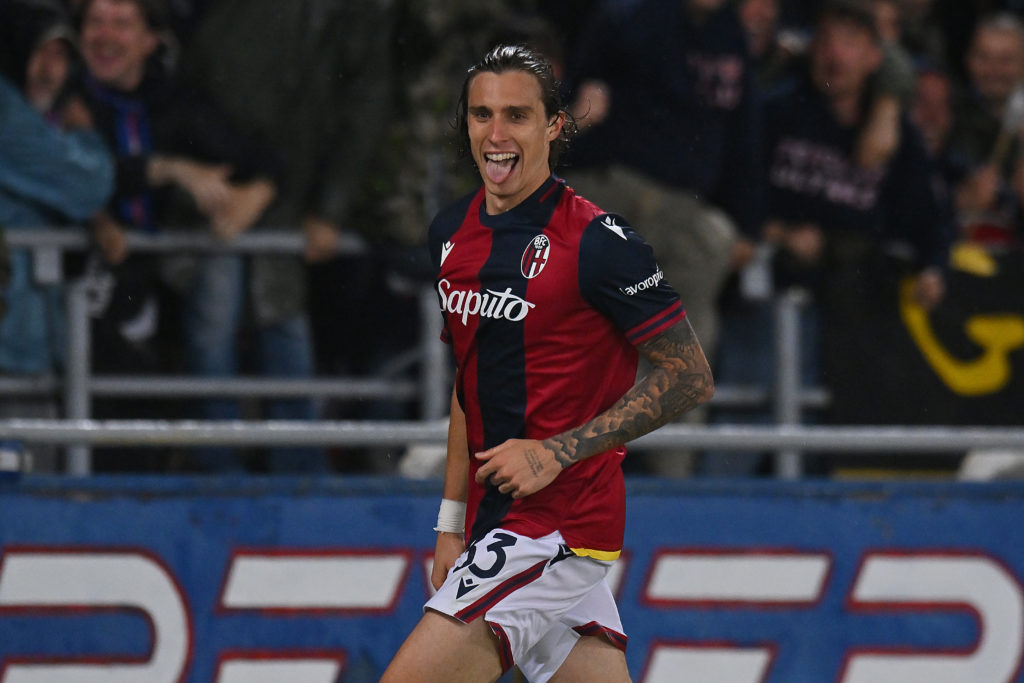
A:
495,204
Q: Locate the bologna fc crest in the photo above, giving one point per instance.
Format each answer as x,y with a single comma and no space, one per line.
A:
536,256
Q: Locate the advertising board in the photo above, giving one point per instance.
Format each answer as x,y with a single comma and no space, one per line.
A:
169,579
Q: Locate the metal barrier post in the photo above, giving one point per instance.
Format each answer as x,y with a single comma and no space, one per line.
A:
77,402
433,359
788,462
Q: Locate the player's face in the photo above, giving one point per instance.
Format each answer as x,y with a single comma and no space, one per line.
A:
116,41
509,135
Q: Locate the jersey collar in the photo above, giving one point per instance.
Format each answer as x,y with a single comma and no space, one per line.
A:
536,209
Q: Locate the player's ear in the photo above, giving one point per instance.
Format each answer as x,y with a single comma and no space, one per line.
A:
555,126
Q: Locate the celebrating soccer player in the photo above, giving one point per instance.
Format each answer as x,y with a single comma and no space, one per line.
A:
548,303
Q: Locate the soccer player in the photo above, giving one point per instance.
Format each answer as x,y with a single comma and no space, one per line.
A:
548,303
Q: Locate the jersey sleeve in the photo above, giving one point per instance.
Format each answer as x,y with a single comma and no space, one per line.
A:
619,276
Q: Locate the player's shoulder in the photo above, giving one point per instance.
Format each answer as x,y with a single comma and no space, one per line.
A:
586,217
602,228
577,206
609,242
449,219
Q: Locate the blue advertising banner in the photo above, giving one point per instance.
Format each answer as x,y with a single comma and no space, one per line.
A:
169,579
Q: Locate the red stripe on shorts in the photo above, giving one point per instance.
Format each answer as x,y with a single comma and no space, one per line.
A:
505,649
617,639
500,592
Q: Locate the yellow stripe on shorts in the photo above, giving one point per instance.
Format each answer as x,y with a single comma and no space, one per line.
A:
605,555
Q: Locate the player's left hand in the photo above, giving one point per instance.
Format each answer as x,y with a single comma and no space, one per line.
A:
518,467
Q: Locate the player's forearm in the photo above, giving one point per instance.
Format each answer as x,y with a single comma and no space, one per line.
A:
456,470
679,381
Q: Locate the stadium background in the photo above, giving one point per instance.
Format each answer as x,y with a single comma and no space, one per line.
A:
258,578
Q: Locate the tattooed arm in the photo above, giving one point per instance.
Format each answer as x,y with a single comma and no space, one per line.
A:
680,379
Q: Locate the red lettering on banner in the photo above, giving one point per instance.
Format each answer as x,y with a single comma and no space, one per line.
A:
275,582
727,578
55,580
940,581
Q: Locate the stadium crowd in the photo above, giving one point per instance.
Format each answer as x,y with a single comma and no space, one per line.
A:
757,145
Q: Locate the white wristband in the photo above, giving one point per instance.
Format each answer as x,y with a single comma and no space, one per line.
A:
451,518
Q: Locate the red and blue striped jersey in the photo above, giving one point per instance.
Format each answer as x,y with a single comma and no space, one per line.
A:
543,306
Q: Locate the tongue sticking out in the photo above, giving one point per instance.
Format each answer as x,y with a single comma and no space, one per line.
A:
498,170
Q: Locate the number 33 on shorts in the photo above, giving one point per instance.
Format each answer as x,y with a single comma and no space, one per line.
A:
503,566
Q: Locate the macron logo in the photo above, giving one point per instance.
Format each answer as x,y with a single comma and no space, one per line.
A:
446,249
609,223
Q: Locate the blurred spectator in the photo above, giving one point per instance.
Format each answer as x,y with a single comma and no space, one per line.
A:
671,139
774,49
181,162
831,219
329,75
779,53
670,133
834,219
182,17
932,113
51,173
890,89
957,20
324,97
932,109
987,121
921,34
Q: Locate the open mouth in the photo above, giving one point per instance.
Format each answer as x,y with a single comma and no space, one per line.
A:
102,57
499,165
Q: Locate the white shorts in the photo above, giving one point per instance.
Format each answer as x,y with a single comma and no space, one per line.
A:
537,596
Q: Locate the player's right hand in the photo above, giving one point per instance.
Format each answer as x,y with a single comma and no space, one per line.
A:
447,549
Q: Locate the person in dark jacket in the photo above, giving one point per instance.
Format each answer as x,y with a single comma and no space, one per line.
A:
833,221
838,224
182,161
665,95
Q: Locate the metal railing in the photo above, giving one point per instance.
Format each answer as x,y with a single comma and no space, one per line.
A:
147,433
79,385
787,398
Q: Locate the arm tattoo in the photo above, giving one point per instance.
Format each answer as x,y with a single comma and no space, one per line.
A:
679,381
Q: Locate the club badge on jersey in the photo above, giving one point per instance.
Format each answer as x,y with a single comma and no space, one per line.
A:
535,257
